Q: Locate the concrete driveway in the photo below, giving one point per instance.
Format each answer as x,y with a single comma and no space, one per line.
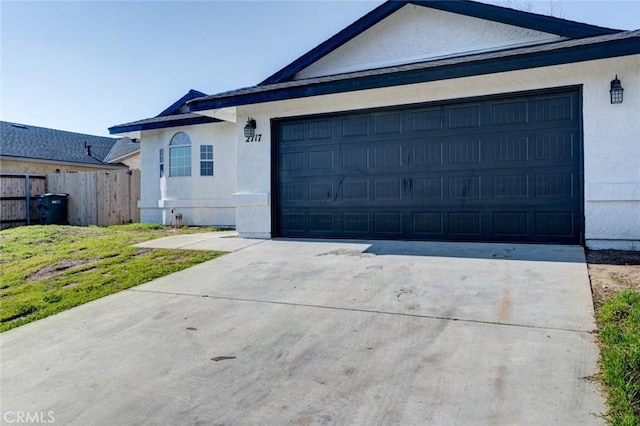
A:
308,332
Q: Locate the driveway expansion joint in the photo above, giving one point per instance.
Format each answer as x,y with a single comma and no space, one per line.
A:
370,311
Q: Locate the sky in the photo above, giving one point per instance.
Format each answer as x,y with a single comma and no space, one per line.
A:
84,66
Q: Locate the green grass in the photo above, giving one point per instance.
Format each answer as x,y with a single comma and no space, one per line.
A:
619,332
48,269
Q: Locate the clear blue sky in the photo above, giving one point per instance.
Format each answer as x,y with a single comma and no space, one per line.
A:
84,66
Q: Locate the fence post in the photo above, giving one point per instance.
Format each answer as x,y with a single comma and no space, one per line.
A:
27,191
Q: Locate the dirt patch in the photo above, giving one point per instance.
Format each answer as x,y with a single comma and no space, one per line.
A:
612,271
143,252
51,271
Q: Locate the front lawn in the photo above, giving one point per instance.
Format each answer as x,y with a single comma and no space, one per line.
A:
619,323
615,283
48,269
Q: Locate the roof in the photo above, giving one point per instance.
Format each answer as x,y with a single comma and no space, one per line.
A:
177,105
176,115
586,42
124,147
162,122
533,21
41,143
562,52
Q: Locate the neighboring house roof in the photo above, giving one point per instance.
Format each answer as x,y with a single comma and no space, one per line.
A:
123,148
40,143
586,42
533,21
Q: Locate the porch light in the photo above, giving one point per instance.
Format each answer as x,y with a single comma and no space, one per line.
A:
250,128
616,91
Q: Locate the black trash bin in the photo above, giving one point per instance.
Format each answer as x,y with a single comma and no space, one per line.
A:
52,209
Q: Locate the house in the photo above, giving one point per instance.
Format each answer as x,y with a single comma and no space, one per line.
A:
31,149
426,120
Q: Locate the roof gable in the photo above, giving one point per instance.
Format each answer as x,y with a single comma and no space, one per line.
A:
415,33
25,141
124,147
525,20
179,106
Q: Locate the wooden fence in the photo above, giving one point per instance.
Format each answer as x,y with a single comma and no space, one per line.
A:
18,198
95,198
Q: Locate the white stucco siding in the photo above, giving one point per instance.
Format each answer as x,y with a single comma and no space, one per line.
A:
201,200
611,142
416,33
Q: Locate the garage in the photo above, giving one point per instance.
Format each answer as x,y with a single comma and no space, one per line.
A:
503,168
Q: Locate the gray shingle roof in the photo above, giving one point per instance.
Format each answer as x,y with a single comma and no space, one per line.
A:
26,141
123,148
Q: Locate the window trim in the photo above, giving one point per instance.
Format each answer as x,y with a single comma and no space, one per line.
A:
209,159
180,143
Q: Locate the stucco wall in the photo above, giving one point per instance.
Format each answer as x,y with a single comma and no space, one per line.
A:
14,166
132,161
202,200
417,33
611,142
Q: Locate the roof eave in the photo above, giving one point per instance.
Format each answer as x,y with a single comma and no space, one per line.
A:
504,15
136,126
595,51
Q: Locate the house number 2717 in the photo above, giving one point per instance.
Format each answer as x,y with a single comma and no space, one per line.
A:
255,138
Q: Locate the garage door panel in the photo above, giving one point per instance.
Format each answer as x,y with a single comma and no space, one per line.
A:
511,224
464,223
463,117
495,170
388,223
387,157
425,189
554,223
355,190
387,189
426,153
387,124
513,112
355,126
555,146
463,152
317,130
355,223
426,120
428,223
555,108
508,149
320,160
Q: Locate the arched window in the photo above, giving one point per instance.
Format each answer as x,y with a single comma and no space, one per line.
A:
180,155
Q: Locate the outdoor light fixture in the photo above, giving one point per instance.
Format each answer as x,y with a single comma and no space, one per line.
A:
616,91
250,128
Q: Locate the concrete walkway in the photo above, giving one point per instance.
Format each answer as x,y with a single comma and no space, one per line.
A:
350,333
216,241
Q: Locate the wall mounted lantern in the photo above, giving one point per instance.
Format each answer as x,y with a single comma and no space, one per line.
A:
616,91
250,128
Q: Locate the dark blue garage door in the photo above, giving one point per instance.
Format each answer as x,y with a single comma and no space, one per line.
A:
494,169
